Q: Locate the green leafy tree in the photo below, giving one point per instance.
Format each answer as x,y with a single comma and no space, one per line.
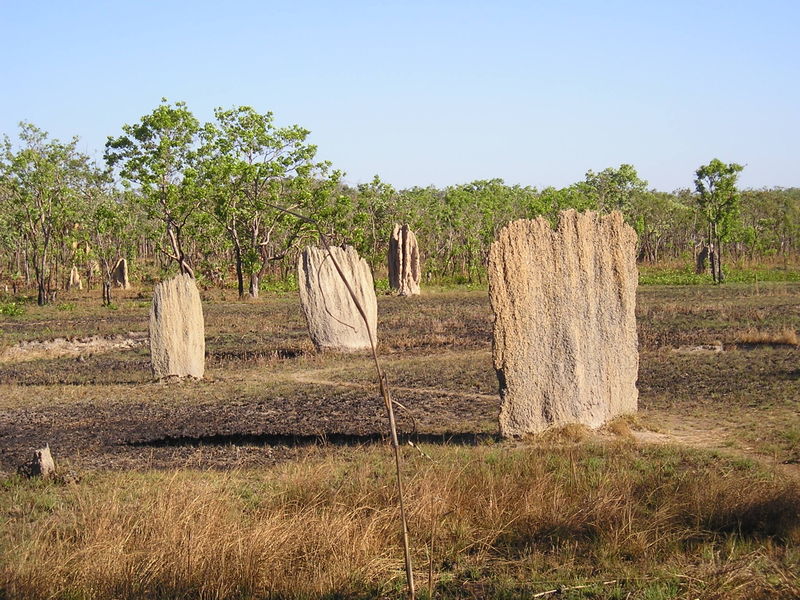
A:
658,219
553,200
614,189
159,156
253,167
376,205
718,201
45,184
12,243
112,234
773,217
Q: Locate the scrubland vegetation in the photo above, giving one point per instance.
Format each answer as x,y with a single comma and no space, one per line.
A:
271,478
206,198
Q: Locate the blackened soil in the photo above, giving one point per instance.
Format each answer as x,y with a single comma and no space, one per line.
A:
269,397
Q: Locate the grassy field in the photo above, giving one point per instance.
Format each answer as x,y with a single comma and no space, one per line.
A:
271,478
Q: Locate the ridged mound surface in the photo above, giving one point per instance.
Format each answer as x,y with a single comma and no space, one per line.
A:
119,275
177,329
334,322
565,342
404,271
75,282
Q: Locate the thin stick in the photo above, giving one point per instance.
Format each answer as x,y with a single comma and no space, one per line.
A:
575,587
384,389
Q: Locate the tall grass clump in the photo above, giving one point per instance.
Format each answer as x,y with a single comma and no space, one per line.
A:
785,337
486,521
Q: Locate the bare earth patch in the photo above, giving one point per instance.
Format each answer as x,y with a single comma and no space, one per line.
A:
268,395
60,347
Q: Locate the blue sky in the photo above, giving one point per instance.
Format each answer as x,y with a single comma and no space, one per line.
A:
421,93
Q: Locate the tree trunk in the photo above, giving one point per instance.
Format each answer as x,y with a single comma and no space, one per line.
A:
712,251
39,266
239,271
174,234
254,280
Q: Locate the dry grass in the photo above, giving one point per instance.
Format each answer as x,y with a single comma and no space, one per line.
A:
505,522
786,337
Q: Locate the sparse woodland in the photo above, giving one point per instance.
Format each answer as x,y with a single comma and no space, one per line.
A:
268,478
205,199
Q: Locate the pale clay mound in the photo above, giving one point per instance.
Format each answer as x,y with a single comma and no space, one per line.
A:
75,282
565,342
177,329
58,347
119,274
334,322
404,270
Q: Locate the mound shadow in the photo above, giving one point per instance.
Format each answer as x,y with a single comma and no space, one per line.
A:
321,439
242,354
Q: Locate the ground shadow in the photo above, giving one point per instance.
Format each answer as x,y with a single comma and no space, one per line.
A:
244,355
322,439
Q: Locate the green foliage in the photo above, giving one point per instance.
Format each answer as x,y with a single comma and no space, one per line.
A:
659,219
285,284
208,197
159,155
718,198
718,201
45,185
382,285
254,169
11,309
115,222
657,275
614,189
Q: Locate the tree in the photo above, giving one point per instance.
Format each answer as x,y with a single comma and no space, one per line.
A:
614,189
45,181
111,235
718,201
251,168
773,216
658,218
376,201
160,155
553,201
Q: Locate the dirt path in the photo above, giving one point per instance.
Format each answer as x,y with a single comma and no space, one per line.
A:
705,435
315,377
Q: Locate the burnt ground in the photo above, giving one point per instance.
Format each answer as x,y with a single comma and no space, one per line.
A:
269,397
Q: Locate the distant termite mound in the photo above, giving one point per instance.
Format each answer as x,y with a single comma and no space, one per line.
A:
404,271
119,274
565,342
334,322
75,282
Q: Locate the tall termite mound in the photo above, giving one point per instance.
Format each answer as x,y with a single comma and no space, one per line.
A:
334,322
177,329
119,274
75,282
565,342
404,271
